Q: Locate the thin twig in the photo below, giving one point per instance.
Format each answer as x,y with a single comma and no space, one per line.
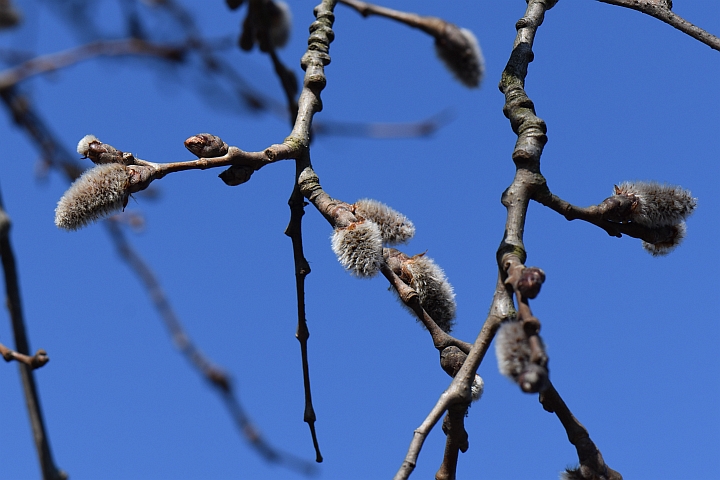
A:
660,9
302,269
32,399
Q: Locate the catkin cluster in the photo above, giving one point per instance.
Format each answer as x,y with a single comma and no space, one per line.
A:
655,205
359,245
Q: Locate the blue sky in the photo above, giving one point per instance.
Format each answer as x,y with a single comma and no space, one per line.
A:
632,339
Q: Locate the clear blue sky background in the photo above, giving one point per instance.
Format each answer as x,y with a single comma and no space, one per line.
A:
632,339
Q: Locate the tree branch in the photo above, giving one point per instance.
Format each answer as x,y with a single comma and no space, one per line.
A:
661,9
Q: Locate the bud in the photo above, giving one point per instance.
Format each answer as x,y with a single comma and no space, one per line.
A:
394,226
359,247
663,248
656,205
236,175
205,145
477,388
99,192
102,153
531,279
435,293
460,52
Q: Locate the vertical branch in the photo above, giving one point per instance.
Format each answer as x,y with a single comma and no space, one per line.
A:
22,345
302,269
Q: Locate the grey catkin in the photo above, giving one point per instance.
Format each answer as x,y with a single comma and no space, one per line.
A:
358,248
460,52
100,191
395,227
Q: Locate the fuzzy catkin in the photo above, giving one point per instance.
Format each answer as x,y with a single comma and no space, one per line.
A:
280,23
100,191
358,248
660,249
394,226
435,293
460,52
658,205
477,388
83,147
512,349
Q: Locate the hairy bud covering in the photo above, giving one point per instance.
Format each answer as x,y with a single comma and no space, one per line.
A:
359,247
477,388
656,205
664,247
460,52
100,191
394,226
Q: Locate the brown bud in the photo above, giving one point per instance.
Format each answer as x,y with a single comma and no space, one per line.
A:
531,279
236,175
205,145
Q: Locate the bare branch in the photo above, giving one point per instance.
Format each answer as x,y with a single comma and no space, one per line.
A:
661,9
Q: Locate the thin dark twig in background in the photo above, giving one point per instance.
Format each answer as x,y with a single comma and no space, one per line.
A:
22,345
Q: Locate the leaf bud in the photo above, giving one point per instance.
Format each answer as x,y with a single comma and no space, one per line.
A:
531,279
205,145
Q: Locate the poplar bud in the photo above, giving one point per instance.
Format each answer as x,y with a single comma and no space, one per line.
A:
99,192
394,226
102,153
205,145
460,52
359,247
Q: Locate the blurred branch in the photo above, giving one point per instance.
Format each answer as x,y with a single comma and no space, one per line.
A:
107,48
422,128
661,9
22,345
217,378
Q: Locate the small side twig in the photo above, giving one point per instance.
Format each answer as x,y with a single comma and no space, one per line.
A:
32,399
661,9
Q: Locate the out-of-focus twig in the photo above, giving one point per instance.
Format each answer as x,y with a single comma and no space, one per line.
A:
661,9
220,381
106,48
22,345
